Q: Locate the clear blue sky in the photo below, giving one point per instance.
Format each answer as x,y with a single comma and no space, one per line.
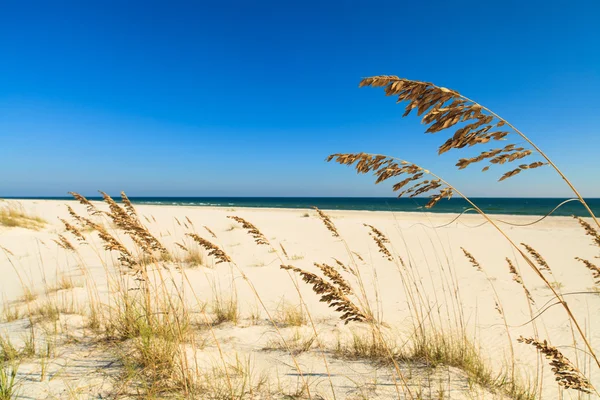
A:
248,97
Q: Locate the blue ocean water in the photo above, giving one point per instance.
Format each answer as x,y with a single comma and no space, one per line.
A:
516,206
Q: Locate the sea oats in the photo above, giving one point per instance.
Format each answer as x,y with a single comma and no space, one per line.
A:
358,256
64,243
384,168
90,207
517,278
327,222
210,231
7,251
472,260
589,230
128,206
335,277
73,230
380,239
566,373
331,295
284,252
112,244
253,231
189,220
498,308
344,267
75,216
182,247
133,227
442,109
213,249
537,257
593,268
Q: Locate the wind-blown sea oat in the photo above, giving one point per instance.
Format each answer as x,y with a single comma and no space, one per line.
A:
335,277
443,108
90,207
73,230
76,216
358,256
133,227
344,267
517,278
472,259
537,257
64,243
593,268
566,373
112,244
327,221
128,206
498,308
213,249
384,168
210,231
589,230
253,231
380,239
182,247
283,250
331,295
7,251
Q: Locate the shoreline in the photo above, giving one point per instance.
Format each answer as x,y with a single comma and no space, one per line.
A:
307,209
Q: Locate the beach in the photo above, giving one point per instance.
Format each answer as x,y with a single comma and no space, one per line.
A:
423,283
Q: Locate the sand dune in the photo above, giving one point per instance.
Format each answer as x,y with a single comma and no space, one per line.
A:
451,293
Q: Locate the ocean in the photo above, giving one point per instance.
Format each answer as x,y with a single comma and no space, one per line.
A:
516,206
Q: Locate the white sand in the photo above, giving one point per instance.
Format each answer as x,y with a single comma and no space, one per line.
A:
88,370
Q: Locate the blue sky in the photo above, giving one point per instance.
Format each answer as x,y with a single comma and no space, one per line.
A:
247,98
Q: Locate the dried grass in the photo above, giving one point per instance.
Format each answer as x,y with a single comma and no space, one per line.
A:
253,231
566,373
13,215
474,124
332,295
384,168
213,250
328,223
593,269
380,239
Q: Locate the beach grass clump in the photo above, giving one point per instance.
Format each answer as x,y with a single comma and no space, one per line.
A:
63,283
225,309
8,380
28,295
367,345
290,315
193,258
153,361
10,313
299,342
13,215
